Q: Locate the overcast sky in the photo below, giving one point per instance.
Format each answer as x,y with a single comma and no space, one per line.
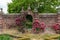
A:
3,4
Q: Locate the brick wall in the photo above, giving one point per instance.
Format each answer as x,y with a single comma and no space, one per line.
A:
49,19
6,20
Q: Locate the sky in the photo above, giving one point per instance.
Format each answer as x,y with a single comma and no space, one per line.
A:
3,4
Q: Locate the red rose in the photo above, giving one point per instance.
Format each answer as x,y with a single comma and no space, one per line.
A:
42,25
56,26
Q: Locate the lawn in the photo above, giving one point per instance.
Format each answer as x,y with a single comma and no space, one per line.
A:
25,36
30,37
5,37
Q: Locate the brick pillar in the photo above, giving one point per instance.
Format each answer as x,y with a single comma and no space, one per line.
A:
35,15
1,19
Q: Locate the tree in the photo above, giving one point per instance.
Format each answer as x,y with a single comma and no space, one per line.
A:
41,5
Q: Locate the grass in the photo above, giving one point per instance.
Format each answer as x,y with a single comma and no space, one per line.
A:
43,36
59,37
29,36
5,37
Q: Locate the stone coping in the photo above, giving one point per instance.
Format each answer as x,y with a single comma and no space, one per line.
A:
48,14
38,13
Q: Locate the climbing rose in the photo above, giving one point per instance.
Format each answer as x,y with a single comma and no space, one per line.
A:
36,25
42,25
20,21
56,27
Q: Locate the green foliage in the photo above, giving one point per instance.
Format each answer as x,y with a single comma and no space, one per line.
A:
59,37
29,18
28,24
43,6
5,37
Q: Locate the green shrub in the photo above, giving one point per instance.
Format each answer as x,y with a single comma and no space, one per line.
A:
29,25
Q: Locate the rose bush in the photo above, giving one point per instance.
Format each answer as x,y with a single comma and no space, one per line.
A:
37,26
56,27
20,23
42,26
